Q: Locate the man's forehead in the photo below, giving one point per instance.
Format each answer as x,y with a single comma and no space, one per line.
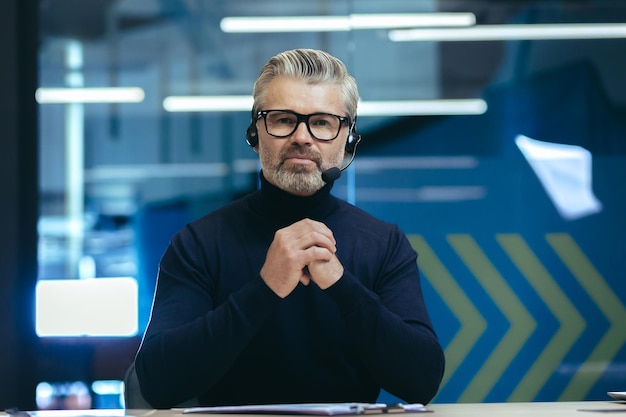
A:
303,96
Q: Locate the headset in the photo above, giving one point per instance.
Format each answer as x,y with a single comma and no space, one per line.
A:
252,136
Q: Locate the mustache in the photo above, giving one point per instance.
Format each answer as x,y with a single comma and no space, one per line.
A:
298,151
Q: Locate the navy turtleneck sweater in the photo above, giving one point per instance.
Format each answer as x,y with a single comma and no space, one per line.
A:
218,333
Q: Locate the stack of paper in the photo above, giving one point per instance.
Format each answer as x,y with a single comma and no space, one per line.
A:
321,409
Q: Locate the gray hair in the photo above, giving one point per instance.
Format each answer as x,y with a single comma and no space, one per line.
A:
313,66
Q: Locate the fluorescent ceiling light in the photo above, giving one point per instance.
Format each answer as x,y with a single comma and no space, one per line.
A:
366,108
275,24
408,20
422,107
513,32
207,103
141,172
89,95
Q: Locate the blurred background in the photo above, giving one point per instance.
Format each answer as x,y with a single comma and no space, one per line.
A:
493,134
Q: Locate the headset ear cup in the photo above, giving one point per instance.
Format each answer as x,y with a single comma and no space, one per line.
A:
350,143
252,136
353,139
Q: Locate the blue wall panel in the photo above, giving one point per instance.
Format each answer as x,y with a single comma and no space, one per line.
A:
529,306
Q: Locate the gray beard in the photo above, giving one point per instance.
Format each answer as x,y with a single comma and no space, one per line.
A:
300,182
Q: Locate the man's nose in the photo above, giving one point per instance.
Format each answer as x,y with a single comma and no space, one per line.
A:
301,133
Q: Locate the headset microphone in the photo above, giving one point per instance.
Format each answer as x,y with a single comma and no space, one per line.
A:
331,174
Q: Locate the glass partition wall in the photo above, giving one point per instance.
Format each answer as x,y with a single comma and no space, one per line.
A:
493,134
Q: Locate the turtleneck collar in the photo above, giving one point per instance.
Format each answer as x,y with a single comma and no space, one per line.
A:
285,208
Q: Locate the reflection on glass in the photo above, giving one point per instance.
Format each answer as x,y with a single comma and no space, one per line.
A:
63,396
565,173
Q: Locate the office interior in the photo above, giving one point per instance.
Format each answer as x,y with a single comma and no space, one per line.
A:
494,135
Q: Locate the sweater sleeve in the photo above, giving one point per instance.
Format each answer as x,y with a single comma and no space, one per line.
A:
390,326
190,341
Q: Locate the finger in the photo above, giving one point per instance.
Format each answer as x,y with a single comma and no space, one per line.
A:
305,280
326,273
315,254
305,234
321,228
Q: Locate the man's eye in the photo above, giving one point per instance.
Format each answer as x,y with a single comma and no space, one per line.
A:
324,122
280,118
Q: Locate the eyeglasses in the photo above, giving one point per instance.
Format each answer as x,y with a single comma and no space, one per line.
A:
283,123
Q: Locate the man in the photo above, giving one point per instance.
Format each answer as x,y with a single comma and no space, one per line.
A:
290,295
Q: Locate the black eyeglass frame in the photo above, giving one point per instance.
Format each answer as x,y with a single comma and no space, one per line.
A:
262,114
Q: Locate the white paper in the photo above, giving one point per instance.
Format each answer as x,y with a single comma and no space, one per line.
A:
323,409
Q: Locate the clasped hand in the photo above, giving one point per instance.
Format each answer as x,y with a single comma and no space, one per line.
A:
301,252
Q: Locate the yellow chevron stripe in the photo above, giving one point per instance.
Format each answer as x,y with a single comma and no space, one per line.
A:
599,291
571,323
522,323
472,322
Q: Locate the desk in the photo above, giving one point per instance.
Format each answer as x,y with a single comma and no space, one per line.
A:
528,409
